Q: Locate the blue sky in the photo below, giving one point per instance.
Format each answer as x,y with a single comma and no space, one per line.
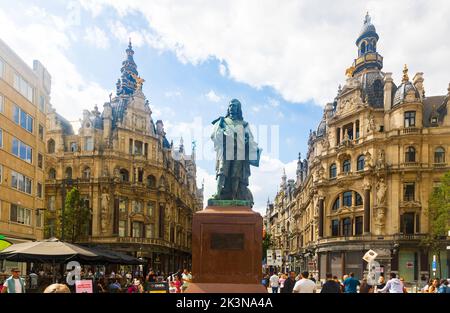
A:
284,62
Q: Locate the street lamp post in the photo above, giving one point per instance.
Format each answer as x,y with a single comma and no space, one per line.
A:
63,197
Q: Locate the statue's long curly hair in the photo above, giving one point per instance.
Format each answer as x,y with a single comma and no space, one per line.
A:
239,114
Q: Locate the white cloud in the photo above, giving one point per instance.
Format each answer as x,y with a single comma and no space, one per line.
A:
96,37
172,94
223,69
212,96
300,48
47,38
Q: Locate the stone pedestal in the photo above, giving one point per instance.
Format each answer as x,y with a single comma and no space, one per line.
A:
226,249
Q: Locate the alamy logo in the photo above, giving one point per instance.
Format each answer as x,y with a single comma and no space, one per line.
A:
75,272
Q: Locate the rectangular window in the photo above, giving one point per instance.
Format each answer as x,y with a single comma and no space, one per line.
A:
51,203
410,119
123,205
89,146
23,119
22,150
39,218
42,103
408,191
335,228
137,229
2,103
22,86
73,147
1,173
1,138
347,226
122,228
358,225
41,132
151,208
40,160
2,68
149,231
39,190
21,182
138,147
407,223
20,215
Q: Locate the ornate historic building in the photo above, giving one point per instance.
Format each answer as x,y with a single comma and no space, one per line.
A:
24,94
142,191
368,174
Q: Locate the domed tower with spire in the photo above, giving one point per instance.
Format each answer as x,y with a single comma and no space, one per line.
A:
126,84
367,67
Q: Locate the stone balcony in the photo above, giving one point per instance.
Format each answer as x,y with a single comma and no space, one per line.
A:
410,130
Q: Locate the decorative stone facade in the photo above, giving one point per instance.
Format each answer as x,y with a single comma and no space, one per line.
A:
368,174
142,191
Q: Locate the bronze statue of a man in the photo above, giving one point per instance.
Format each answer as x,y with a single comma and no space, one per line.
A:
235,150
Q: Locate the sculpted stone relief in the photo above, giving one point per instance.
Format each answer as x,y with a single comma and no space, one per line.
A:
104,212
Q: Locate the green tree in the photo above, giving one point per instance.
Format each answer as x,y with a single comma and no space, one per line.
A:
439,218
76,216
267,243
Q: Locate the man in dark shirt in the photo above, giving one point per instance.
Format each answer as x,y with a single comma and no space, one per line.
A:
289,283
330,286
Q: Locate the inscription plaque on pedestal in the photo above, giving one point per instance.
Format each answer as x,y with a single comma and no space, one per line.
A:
224,241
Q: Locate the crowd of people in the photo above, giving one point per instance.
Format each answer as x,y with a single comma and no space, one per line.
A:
306,283
124,282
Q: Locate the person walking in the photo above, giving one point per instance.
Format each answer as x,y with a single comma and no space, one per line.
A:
330,286
394,285
305,285
15,283
365,287
351,284
434,286
443,286
289,283
281,281
274,282
336,279
186,278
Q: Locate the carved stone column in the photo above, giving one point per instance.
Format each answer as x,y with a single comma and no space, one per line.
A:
367,209
321,216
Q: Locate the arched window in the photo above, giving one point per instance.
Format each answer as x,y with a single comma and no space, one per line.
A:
333,170
439,155
336,204
410,154
124,175
52,173
347,198
346,166
68,173
360,163
87,173
151,181
363,47
51,146
358,199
